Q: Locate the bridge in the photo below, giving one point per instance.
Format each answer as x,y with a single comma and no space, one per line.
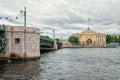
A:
59,44
12,43
46,43
49,44
2,39
14,39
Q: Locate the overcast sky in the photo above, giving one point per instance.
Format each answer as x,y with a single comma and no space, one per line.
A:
65,16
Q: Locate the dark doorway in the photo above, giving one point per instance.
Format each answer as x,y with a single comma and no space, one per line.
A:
88,41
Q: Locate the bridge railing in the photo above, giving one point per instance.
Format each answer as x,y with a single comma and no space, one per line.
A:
49,43
2,39
46,43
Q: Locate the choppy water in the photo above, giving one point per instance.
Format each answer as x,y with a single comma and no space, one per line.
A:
67,64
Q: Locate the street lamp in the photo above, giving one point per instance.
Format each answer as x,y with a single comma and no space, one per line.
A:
54,34
24,14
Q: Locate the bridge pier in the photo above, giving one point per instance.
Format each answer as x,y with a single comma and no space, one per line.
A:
21,43
55,45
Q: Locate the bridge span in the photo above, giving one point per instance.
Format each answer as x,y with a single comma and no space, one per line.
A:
49,44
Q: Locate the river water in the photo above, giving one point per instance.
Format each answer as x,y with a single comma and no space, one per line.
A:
67,64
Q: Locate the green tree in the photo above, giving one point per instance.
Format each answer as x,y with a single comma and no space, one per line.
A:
109,38
115,38
119,39
112,38
58,40
45,37
73,40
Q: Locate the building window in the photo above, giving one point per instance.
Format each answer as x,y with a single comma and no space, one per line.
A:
17,40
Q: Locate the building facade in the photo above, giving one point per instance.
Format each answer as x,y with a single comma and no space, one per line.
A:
91,38
66,43
19,41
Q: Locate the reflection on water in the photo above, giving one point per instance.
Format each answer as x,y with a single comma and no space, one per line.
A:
19,70
67,64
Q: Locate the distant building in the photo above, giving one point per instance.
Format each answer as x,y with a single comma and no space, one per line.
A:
66,43
92,38
19,41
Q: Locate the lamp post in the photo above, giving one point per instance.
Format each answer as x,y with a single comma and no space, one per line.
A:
24,14
53,34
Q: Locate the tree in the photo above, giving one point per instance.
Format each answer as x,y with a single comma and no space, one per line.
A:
119,39
58,40
112,38
73,40
45,37
108,38
115,38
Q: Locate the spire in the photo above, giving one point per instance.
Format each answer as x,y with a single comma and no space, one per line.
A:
88,28
88,23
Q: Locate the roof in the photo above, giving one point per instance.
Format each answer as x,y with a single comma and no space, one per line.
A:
88,31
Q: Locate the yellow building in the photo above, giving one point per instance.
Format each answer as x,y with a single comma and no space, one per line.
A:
90,37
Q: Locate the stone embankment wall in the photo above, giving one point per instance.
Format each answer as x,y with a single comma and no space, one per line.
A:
82,46
22,42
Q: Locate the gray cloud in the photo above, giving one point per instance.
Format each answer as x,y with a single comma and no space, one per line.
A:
67,16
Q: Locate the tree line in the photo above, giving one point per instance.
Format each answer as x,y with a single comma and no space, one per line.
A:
112,38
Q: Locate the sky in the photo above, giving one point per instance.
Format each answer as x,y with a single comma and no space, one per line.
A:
66,17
